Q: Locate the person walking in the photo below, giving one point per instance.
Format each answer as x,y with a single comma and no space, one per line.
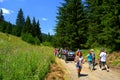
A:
55,51
78,62
93,58
89,58
102,61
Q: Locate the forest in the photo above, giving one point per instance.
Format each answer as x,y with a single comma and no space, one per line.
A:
29,30
88,24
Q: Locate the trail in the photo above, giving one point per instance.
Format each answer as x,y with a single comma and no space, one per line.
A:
86,74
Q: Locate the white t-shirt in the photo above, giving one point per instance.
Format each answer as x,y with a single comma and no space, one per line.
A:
80,60
103,56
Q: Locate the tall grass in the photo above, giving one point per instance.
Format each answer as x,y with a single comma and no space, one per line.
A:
22,61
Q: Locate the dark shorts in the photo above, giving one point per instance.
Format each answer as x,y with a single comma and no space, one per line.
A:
78,66
102,63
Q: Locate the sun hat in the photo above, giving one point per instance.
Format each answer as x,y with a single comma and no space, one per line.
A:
91,49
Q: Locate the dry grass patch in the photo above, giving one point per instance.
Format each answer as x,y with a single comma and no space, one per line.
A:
57,71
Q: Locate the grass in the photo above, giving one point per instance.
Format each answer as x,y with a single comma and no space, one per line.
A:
22,61
115,62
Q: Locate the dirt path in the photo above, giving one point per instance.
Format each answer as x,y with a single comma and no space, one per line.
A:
86,74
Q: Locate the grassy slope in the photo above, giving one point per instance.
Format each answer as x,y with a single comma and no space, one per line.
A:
22,61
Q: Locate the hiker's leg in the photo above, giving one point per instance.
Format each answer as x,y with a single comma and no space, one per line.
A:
106,67
79,72
89,64
93,64
80,68
100,64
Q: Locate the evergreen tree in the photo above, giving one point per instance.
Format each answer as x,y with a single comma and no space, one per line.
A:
70,24
9,28
20,21
48,37
38,31
94,13
60,36
1,16
28,26
2,26
111,21
104,23
34,27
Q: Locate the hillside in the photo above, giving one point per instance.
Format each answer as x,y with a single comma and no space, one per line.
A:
114,60
22,61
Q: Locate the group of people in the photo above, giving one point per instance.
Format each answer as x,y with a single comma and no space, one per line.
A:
60,52
91,60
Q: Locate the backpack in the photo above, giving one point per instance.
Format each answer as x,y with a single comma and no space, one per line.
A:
77,59
93,55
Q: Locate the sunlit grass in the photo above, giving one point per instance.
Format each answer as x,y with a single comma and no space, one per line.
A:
22,61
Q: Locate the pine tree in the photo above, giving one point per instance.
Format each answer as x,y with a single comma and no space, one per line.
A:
104,23
9,28
70,24
28,26
20,21
94,13
111,21
34,25
1,15
38,31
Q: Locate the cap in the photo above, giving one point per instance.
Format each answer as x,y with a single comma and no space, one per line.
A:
91,49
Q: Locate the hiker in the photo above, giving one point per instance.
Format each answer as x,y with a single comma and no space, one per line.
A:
65,51
89,58
78,61
93,58
102,61
60,52
55,51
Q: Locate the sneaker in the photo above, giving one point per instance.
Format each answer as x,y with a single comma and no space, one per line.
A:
107,70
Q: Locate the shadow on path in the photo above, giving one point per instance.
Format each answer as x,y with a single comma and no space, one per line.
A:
83,75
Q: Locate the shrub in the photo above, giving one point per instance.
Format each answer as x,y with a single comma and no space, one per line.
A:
30,39
46,43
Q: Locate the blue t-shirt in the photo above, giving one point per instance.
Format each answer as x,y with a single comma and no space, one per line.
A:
89,57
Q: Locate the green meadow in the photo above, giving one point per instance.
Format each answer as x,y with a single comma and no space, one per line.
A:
22,61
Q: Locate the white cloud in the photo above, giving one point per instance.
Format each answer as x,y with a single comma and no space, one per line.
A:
44,19
6,11
1,1
51,31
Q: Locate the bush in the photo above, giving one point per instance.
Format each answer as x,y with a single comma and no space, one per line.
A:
46,44
30,39
37,41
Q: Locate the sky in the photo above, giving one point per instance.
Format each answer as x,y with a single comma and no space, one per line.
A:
43,10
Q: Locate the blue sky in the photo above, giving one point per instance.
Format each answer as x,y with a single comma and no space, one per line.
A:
43,10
